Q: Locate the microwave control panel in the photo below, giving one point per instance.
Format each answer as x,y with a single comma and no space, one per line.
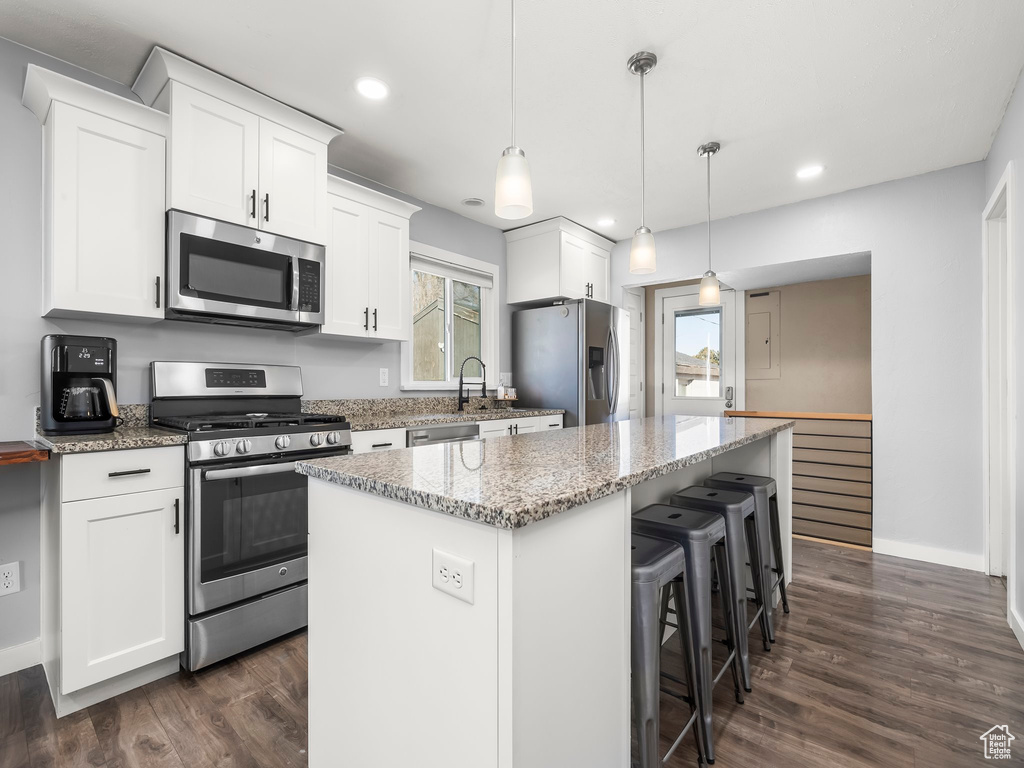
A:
309,286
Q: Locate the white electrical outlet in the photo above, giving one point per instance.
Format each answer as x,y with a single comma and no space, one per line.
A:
10,578
384,373
453,575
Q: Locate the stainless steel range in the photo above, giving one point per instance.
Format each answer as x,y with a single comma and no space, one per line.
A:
246,506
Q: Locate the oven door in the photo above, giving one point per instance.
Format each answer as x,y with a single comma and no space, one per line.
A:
247,532
227,271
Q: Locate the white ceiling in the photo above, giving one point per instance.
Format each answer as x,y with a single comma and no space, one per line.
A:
874,89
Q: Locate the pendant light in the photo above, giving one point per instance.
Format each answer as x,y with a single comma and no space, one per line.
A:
642,256
513,191
710,291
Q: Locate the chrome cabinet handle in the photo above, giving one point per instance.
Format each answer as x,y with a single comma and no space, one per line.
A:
129,472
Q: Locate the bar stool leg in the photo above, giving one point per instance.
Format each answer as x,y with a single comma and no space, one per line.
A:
721,568
679,589
645,666
697,596
773,506
736,593
761,587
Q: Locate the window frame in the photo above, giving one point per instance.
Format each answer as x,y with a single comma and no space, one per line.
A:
454,266
721,310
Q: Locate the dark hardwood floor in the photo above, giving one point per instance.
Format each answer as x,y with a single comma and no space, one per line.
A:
882,662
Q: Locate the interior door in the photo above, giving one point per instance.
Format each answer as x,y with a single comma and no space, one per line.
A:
698,356
293,183
633,303
214,157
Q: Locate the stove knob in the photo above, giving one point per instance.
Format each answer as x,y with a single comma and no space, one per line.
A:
333,438
221,449
316,440
244,446
283,442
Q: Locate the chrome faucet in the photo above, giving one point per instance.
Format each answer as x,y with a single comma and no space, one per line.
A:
463,399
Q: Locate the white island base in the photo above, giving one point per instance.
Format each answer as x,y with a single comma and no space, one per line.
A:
534,673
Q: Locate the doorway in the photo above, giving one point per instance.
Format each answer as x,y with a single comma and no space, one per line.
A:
999,450
697,364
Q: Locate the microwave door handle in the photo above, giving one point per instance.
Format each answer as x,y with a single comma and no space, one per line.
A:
294,305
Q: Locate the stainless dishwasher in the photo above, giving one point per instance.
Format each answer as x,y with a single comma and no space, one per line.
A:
442,433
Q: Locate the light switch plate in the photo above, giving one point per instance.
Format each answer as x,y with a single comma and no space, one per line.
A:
453,575
384,374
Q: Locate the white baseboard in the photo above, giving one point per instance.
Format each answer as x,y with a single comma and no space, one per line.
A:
19,657
929,554
1017,625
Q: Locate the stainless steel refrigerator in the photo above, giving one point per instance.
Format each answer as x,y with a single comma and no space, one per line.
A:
573,356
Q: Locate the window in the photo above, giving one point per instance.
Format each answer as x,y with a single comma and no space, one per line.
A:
454,316
698,337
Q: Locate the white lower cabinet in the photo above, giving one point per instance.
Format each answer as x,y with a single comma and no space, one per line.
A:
546,423
112,572
521,426
122,584
373,440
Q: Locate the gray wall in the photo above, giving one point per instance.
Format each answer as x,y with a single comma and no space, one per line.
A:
923,234
1009,147
331,368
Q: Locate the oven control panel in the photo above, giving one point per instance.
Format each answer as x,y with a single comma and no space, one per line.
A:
329,442
236,378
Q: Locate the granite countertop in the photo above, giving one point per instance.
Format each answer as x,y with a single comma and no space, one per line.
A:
509,482
120,439
363,423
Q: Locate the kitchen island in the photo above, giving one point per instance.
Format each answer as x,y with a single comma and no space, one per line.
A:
469,603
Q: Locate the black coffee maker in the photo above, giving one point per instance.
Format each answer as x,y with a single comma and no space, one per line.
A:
79,379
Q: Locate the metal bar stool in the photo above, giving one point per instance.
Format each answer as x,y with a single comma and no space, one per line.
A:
736,509
656,564
696,532
766,500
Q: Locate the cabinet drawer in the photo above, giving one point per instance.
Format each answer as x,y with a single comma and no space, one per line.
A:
378,440
112,473
545,423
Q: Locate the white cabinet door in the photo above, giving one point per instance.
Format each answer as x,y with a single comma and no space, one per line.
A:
105,244
293,183
572,273
495,428
389,276
596,269
348,270
214,157
122,584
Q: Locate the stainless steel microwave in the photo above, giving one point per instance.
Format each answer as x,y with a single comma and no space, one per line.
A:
225,273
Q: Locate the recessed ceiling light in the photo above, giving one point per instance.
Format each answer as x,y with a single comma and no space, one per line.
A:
810,171
605,222
372,88
473,202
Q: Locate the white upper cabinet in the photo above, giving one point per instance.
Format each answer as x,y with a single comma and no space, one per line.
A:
214,157
236,154
293,183
557,259
368,281
103,200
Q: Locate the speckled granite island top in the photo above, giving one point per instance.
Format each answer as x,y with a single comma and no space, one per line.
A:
509,482
366,423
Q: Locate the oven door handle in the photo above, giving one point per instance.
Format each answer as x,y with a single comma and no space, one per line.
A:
263,469
294,305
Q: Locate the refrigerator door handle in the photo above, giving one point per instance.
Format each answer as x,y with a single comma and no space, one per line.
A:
614,405
609,382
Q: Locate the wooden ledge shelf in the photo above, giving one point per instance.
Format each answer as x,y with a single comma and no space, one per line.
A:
23,452
800,415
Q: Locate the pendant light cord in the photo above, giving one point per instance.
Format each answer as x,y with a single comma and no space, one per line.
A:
642,163
709,211
513,73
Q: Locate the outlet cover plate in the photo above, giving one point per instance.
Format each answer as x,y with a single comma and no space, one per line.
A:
453,575
384,376
10,578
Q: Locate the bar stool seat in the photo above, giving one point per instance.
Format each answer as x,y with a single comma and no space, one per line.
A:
696,532
765,493
737,511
